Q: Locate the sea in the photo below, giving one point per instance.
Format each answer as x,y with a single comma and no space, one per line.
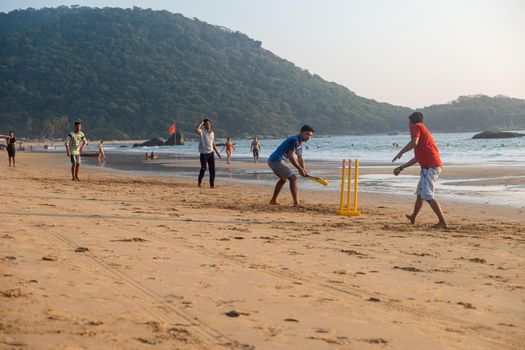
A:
456,150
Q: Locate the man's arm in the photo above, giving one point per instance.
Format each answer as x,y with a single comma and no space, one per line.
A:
399,169
198,127
84,144
299,166
215,149
413,143
68,139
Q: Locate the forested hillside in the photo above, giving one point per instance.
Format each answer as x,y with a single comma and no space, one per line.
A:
477,113
128,73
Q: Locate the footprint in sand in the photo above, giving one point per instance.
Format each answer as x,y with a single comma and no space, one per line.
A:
12,293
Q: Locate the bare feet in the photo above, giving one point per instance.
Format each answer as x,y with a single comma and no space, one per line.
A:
411,219
440,225
274,203
77,179
297,205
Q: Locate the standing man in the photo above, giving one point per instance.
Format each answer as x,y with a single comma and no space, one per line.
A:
11,148
427,155
206,148
292,145
75,144
255,147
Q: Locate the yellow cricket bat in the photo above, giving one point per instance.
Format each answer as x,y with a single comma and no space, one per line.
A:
318,179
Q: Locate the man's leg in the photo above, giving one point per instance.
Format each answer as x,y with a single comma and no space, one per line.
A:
211,165
293,189
278,187
417,207
9,160
73,171
77,167
14,165
437,209
203,168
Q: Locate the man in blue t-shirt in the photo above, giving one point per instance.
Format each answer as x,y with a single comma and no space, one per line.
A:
286,150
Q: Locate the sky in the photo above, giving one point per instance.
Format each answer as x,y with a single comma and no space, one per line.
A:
411,53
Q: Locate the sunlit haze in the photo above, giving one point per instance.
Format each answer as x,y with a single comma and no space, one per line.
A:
406,52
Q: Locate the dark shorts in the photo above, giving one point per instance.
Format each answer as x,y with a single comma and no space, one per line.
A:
255,153
75,159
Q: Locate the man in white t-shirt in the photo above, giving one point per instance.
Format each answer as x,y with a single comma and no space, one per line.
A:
206,149
75,143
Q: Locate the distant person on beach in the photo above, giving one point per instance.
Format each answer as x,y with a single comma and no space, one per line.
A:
207,148
229,149
75,143
255,147
427,155
101,154
151,155
286,150
11,147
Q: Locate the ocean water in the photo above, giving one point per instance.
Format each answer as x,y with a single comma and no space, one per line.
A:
457,149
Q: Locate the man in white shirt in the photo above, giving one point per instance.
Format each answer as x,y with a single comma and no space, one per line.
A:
206,148
75,144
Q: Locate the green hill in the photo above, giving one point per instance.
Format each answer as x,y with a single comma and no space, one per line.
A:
477,113
128,73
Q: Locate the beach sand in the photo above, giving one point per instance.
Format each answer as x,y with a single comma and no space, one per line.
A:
121,261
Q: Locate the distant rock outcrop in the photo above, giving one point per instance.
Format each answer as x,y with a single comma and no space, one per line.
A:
175,139
156,141
497,135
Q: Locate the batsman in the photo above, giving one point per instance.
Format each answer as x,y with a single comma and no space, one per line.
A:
290,148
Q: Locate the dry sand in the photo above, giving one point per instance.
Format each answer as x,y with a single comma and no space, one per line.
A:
128,262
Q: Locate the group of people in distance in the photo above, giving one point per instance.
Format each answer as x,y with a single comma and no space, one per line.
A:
422,142
426,155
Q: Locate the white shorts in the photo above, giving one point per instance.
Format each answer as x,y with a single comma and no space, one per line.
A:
427,182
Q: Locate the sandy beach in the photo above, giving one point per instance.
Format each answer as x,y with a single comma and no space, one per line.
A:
121,261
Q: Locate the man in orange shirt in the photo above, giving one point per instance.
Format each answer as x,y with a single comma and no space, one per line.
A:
427,155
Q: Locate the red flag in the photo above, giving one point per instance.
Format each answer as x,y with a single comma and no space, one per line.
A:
172,129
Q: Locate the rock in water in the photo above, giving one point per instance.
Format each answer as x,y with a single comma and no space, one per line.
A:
497,135
156,141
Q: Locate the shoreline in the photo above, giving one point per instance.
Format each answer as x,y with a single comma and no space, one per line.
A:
497,185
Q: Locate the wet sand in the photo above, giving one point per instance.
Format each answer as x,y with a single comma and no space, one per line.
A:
133,262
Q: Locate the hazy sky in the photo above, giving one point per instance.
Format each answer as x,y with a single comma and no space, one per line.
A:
406,52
